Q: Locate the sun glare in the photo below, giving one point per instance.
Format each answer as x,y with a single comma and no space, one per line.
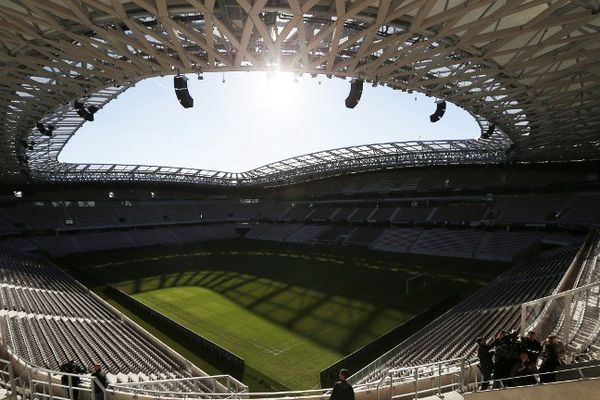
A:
242,120
281,89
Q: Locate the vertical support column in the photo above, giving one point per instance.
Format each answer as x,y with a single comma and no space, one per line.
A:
70,387
49,377
462,375
523,319
416,383
567,319
31,387
440,380
11,377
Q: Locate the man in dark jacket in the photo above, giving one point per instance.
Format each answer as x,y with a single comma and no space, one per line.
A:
342,390
100,380
486,363
503,359
552,353
71,382
532,346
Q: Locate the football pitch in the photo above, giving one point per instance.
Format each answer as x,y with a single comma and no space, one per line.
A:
288,310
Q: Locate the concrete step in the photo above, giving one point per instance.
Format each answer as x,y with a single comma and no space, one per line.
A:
445,396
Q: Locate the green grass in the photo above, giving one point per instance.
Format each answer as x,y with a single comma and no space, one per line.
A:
288,310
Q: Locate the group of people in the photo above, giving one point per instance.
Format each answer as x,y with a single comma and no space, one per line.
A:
511,360
71,379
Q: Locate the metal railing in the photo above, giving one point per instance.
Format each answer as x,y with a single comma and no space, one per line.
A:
560,375
219,386
430,379
459,375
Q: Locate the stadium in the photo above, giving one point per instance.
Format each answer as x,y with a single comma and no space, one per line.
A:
416,265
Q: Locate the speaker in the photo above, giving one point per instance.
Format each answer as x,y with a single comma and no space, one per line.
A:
181,91
180,82
356,89
439,111
184,98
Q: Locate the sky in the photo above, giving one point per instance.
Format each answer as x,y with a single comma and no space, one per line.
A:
252,119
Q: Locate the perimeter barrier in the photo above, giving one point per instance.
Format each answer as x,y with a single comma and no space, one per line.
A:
222,359
371,351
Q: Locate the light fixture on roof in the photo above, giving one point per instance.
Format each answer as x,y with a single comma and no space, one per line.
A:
356,89
439,111
84,112
489,132
45,130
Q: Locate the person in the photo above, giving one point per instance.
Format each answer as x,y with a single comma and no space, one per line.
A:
552,352
100,380
532,346
523,370
503,358
486,362
70,367
342,390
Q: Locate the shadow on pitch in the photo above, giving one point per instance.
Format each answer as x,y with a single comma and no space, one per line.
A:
340,306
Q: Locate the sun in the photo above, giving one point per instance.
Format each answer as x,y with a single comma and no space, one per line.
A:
281,89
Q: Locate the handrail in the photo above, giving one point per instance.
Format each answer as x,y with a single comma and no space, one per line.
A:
535,376
194,378
562,294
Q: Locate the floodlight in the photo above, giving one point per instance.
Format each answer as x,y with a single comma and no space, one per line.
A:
490,131
84,112
45,130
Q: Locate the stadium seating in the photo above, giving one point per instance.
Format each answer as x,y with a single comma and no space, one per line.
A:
48,318
363,236
397,239
504,246
305,233
445,242
529,209
361,214
582,210
343,214
413,214
495,307
383,214
102,216
460,213
334,235
323,213
297,213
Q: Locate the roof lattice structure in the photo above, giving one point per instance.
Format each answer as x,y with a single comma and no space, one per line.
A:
530,67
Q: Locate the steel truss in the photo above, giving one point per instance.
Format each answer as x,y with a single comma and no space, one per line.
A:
297,169
529,66
44,164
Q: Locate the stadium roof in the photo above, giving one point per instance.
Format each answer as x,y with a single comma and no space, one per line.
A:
529,68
